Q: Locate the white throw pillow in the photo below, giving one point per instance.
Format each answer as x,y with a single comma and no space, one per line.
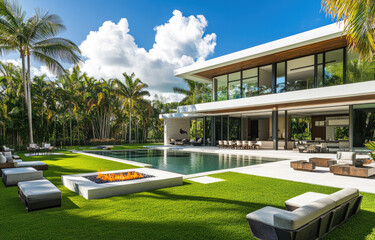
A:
3,159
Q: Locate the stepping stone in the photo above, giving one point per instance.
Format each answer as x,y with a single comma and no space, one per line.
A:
205,180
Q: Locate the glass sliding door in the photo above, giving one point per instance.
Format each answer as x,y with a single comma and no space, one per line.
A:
207,131
218,135
225,128
234,84
234,129
363,124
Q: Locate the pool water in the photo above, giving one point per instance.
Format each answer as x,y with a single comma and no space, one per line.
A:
187,162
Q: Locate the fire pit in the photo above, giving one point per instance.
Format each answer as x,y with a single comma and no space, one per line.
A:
116,177
120,182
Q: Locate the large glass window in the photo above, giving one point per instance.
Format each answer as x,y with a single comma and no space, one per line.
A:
208,93
300,73
250,82
333,72
265,80
358,70
234,128
222,87
234,82
218,129
280,77
225,128
207,129
363,124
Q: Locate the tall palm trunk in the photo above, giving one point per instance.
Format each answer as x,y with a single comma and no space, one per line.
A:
130,122
26,94
30,116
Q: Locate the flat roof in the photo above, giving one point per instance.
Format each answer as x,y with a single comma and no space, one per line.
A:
332,31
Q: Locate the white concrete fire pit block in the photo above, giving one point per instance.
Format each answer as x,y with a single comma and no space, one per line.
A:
91,190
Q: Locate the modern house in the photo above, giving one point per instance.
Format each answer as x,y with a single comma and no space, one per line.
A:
307,86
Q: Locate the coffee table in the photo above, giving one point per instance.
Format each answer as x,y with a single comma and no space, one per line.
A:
323,162
350,170
302,165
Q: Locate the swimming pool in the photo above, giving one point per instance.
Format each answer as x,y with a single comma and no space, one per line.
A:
187,162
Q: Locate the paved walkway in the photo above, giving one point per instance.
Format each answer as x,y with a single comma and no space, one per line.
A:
282,170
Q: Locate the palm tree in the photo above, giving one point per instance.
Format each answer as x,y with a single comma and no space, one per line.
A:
34,37
359,23
196,92
133,93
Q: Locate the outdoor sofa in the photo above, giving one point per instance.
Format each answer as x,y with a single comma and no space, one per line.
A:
310,220
39,194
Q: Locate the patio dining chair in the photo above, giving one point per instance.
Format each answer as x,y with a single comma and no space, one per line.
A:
231,144
245,144
221,144
225,145
239,144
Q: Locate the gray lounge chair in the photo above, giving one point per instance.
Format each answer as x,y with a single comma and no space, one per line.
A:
308,221
39,194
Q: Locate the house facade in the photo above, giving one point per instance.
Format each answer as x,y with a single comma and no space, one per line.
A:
308,86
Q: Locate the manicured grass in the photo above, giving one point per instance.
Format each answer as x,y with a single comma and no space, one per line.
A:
116,147
191,211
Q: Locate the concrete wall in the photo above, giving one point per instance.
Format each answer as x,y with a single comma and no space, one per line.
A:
172,128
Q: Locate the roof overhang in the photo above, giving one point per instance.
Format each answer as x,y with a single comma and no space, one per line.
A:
310,42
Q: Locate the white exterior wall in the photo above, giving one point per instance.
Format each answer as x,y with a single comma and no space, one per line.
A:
172,128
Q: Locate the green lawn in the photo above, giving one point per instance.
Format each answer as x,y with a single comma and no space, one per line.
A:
191,211
116,147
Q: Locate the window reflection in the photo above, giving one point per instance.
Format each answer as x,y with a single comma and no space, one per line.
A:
300,73
250,82
265,80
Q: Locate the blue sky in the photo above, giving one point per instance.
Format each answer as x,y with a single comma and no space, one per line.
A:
237,24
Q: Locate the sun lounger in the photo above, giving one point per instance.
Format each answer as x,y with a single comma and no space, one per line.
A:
38,165
39,194
12,176
311,220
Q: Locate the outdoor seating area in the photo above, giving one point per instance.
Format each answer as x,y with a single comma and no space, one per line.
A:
345,163
244,144
44,149
35,191
305,217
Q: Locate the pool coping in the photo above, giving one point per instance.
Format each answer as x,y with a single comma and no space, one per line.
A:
137,164
185,176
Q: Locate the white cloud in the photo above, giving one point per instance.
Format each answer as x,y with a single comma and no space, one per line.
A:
181,41
34,71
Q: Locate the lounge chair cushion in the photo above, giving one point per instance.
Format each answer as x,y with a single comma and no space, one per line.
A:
303,199
28,164
343,195
303,215
346,156
39,190
265,215
11,176
3,159
17,160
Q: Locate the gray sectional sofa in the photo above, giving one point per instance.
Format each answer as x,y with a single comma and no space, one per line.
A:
308,221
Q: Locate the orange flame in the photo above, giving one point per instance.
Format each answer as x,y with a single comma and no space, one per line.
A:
112,177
